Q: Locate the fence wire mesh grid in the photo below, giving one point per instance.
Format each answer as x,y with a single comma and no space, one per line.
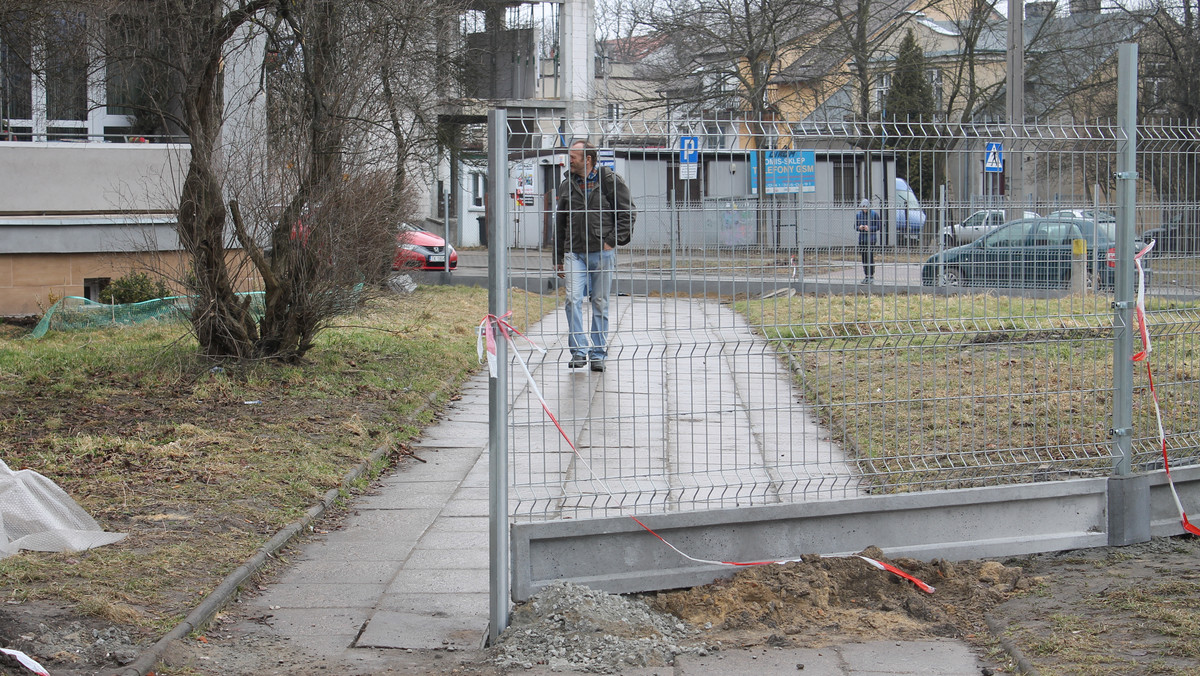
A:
760,352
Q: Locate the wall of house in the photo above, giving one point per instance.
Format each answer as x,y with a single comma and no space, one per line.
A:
31,283
94,178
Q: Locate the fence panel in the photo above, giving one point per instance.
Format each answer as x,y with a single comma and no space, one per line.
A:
751,360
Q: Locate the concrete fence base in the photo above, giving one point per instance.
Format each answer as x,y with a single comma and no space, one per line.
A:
616,555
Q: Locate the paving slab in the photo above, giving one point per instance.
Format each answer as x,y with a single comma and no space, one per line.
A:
411,560
462,604
356,548
808,662
384,526
448,559
458,524
440,581
322,595
341,625
357,571
390,629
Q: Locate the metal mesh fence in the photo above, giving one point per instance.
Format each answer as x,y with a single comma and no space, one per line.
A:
761,352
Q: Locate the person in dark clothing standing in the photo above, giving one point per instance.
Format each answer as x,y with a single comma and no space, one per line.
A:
595,215
868,224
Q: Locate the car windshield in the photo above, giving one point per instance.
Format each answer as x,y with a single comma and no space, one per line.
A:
1013,234
976,219
1106,231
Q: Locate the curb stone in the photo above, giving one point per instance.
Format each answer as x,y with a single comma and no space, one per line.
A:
997,631
203,613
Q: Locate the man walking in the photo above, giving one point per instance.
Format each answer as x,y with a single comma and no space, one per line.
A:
595,215
867,223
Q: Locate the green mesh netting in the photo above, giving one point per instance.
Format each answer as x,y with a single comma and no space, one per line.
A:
73,313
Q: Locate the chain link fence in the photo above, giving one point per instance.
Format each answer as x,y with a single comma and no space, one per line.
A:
760,354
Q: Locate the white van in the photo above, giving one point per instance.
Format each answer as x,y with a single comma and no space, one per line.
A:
910,217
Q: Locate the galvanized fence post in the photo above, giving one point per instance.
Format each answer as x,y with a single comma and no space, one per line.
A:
1128,493
1123,286
497,215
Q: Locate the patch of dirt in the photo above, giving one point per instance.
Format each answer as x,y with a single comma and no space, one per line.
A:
1109,611
1064,613
63,641
818,601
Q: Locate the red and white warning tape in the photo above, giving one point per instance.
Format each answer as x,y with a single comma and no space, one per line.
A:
1144,356
26,661
486,345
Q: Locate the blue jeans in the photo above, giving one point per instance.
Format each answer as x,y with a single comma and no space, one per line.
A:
589,275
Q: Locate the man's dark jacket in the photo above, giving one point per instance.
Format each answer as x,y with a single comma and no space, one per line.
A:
585,223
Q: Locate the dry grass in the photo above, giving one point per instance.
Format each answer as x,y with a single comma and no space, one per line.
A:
957,391
201,462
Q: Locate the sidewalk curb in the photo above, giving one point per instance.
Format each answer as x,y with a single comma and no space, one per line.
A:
219,597
997,631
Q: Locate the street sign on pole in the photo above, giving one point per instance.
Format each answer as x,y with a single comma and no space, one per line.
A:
994,158
689,156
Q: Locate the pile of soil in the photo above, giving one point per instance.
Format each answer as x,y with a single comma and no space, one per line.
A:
820,600
808,603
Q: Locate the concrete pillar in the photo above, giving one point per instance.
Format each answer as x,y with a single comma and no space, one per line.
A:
578,57
1128,509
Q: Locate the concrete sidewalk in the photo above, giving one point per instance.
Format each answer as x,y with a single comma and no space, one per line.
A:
407,570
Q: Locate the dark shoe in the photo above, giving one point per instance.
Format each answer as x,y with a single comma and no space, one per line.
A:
578,361
598,366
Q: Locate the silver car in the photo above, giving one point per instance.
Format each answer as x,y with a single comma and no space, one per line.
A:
975,226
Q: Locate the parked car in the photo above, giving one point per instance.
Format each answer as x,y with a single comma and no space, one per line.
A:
977,225
1180,233
418,249
1030,252
910,217
1102,216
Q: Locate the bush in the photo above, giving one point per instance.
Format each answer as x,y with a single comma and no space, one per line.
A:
134,287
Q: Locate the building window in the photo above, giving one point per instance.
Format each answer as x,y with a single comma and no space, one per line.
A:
66,67
935,81
844,180
46,75
1154,82
92,286
714,136
614,111
882,85
16,77
478,188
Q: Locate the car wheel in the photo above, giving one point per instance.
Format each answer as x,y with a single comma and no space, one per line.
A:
952,277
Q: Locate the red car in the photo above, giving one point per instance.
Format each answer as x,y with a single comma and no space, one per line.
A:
418,249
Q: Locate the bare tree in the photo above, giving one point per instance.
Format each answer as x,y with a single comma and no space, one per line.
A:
1170,58
318,175
969,85
723,55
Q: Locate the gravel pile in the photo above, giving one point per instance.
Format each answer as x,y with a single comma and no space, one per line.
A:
75,643
570,627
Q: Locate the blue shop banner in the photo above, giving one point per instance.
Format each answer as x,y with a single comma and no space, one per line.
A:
788,171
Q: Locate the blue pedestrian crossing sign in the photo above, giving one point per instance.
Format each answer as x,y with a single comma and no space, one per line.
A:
994,158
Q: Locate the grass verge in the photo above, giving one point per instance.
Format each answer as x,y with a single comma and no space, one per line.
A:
201,462
966,390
